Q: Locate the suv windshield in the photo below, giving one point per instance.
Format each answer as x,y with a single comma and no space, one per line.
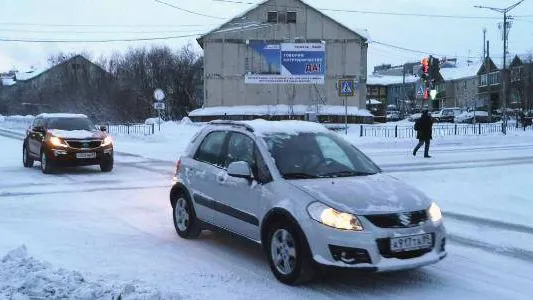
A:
317,155
70,124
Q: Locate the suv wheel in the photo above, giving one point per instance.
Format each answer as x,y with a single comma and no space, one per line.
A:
107,165
27,161
185,222
289,255
46,164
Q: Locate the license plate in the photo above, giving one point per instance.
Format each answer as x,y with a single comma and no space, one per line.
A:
412,242
86,155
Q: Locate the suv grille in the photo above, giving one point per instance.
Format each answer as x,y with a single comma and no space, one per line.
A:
399,220
84,144
384,250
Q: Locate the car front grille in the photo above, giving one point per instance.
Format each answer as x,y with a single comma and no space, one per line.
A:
384,250
399,220
84,144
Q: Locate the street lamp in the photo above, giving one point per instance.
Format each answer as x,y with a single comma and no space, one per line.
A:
503,11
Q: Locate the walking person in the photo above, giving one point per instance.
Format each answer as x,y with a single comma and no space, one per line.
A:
424,132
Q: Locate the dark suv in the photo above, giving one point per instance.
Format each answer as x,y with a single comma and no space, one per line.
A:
67,140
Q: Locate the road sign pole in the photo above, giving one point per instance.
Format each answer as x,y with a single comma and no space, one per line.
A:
346,115
159,121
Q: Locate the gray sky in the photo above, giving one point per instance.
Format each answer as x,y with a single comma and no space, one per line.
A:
126,19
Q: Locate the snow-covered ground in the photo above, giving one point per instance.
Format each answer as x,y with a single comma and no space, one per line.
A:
87,233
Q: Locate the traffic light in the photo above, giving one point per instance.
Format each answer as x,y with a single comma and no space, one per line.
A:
425,68
434,68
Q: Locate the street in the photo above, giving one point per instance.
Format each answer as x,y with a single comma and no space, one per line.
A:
118,227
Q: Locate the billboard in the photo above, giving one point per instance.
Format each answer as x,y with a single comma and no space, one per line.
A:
285,63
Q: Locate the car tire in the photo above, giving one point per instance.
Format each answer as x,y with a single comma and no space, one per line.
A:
27,161
46,164
289,255
107,165
185,222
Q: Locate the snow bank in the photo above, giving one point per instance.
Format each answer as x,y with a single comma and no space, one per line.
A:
278,110
24,277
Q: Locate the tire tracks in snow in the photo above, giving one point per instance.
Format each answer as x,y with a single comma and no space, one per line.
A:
512,252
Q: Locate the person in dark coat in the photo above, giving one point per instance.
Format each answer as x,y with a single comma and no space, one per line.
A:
424,132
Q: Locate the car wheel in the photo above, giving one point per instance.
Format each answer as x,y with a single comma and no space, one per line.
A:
46,164
289,255
107,165
185,221
27,161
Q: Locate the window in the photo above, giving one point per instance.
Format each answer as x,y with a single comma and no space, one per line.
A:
272,17
291,17
332,151
516,74
240,148
70,124
494,78
210,150
483,80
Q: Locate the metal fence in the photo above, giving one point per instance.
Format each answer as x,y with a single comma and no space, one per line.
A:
22,123
406,131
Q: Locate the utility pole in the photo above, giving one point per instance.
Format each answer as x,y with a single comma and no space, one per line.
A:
504,11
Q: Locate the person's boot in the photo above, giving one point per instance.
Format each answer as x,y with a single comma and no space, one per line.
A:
427,156
414,152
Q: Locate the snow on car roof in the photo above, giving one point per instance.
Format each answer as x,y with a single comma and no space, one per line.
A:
61,115
289,126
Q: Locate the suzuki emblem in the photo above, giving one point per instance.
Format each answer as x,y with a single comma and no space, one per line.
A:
405,219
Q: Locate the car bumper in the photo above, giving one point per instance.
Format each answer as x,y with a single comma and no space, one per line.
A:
371,247
70,156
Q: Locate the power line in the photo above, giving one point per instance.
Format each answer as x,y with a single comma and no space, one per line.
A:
384,12
96,41
188,11
104,25
92,32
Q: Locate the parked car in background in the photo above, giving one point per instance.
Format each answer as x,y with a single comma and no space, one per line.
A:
447,115
393,116
471,117
414,117
66,140
308,196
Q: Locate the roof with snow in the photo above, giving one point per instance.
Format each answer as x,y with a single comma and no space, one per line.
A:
389,80
61,115
29,74
277,110
460,72
288,126
8,81
238,23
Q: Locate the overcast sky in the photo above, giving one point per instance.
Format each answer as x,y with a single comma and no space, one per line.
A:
126,19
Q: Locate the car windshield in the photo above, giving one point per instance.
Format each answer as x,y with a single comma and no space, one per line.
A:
70,124
317,155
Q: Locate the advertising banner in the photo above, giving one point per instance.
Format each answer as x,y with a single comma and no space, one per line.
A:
286,63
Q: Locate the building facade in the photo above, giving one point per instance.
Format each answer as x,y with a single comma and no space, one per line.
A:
231,56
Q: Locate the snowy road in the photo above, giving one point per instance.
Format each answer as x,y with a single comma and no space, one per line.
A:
118,227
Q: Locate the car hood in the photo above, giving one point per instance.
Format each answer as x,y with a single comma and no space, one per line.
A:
365,195
77,134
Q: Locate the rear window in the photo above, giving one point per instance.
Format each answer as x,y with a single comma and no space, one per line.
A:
70,124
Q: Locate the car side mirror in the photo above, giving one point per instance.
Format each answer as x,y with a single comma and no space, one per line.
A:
240,169
103,128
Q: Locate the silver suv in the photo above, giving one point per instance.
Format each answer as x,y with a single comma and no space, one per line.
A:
309,197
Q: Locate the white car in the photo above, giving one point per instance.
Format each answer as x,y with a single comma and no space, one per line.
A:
306,195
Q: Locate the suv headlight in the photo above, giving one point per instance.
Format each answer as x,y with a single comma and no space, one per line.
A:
107,141
54,140
332,218
434,213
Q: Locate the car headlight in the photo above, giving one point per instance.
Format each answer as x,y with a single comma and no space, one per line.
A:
107,141
332,218
54,140
434,213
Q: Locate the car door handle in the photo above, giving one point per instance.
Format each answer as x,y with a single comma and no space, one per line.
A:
221,178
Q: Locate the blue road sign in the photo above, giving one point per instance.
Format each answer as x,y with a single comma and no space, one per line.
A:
346,88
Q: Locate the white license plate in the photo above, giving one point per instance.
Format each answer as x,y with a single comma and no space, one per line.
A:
86,155
412,242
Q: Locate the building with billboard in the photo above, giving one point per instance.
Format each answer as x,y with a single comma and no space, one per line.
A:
283,59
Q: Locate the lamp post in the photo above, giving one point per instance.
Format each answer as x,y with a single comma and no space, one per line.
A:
503,11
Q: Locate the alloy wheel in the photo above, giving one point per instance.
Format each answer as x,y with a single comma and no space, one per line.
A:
283,251
181,212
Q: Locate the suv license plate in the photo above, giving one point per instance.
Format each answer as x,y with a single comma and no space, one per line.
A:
410,243
86,155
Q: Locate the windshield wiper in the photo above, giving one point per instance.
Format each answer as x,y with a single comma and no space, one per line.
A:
299,176
346,174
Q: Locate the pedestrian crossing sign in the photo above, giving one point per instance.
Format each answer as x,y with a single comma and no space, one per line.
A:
346,88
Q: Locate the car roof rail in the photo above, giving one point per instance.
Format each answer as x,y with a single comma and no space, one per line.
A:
231,123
